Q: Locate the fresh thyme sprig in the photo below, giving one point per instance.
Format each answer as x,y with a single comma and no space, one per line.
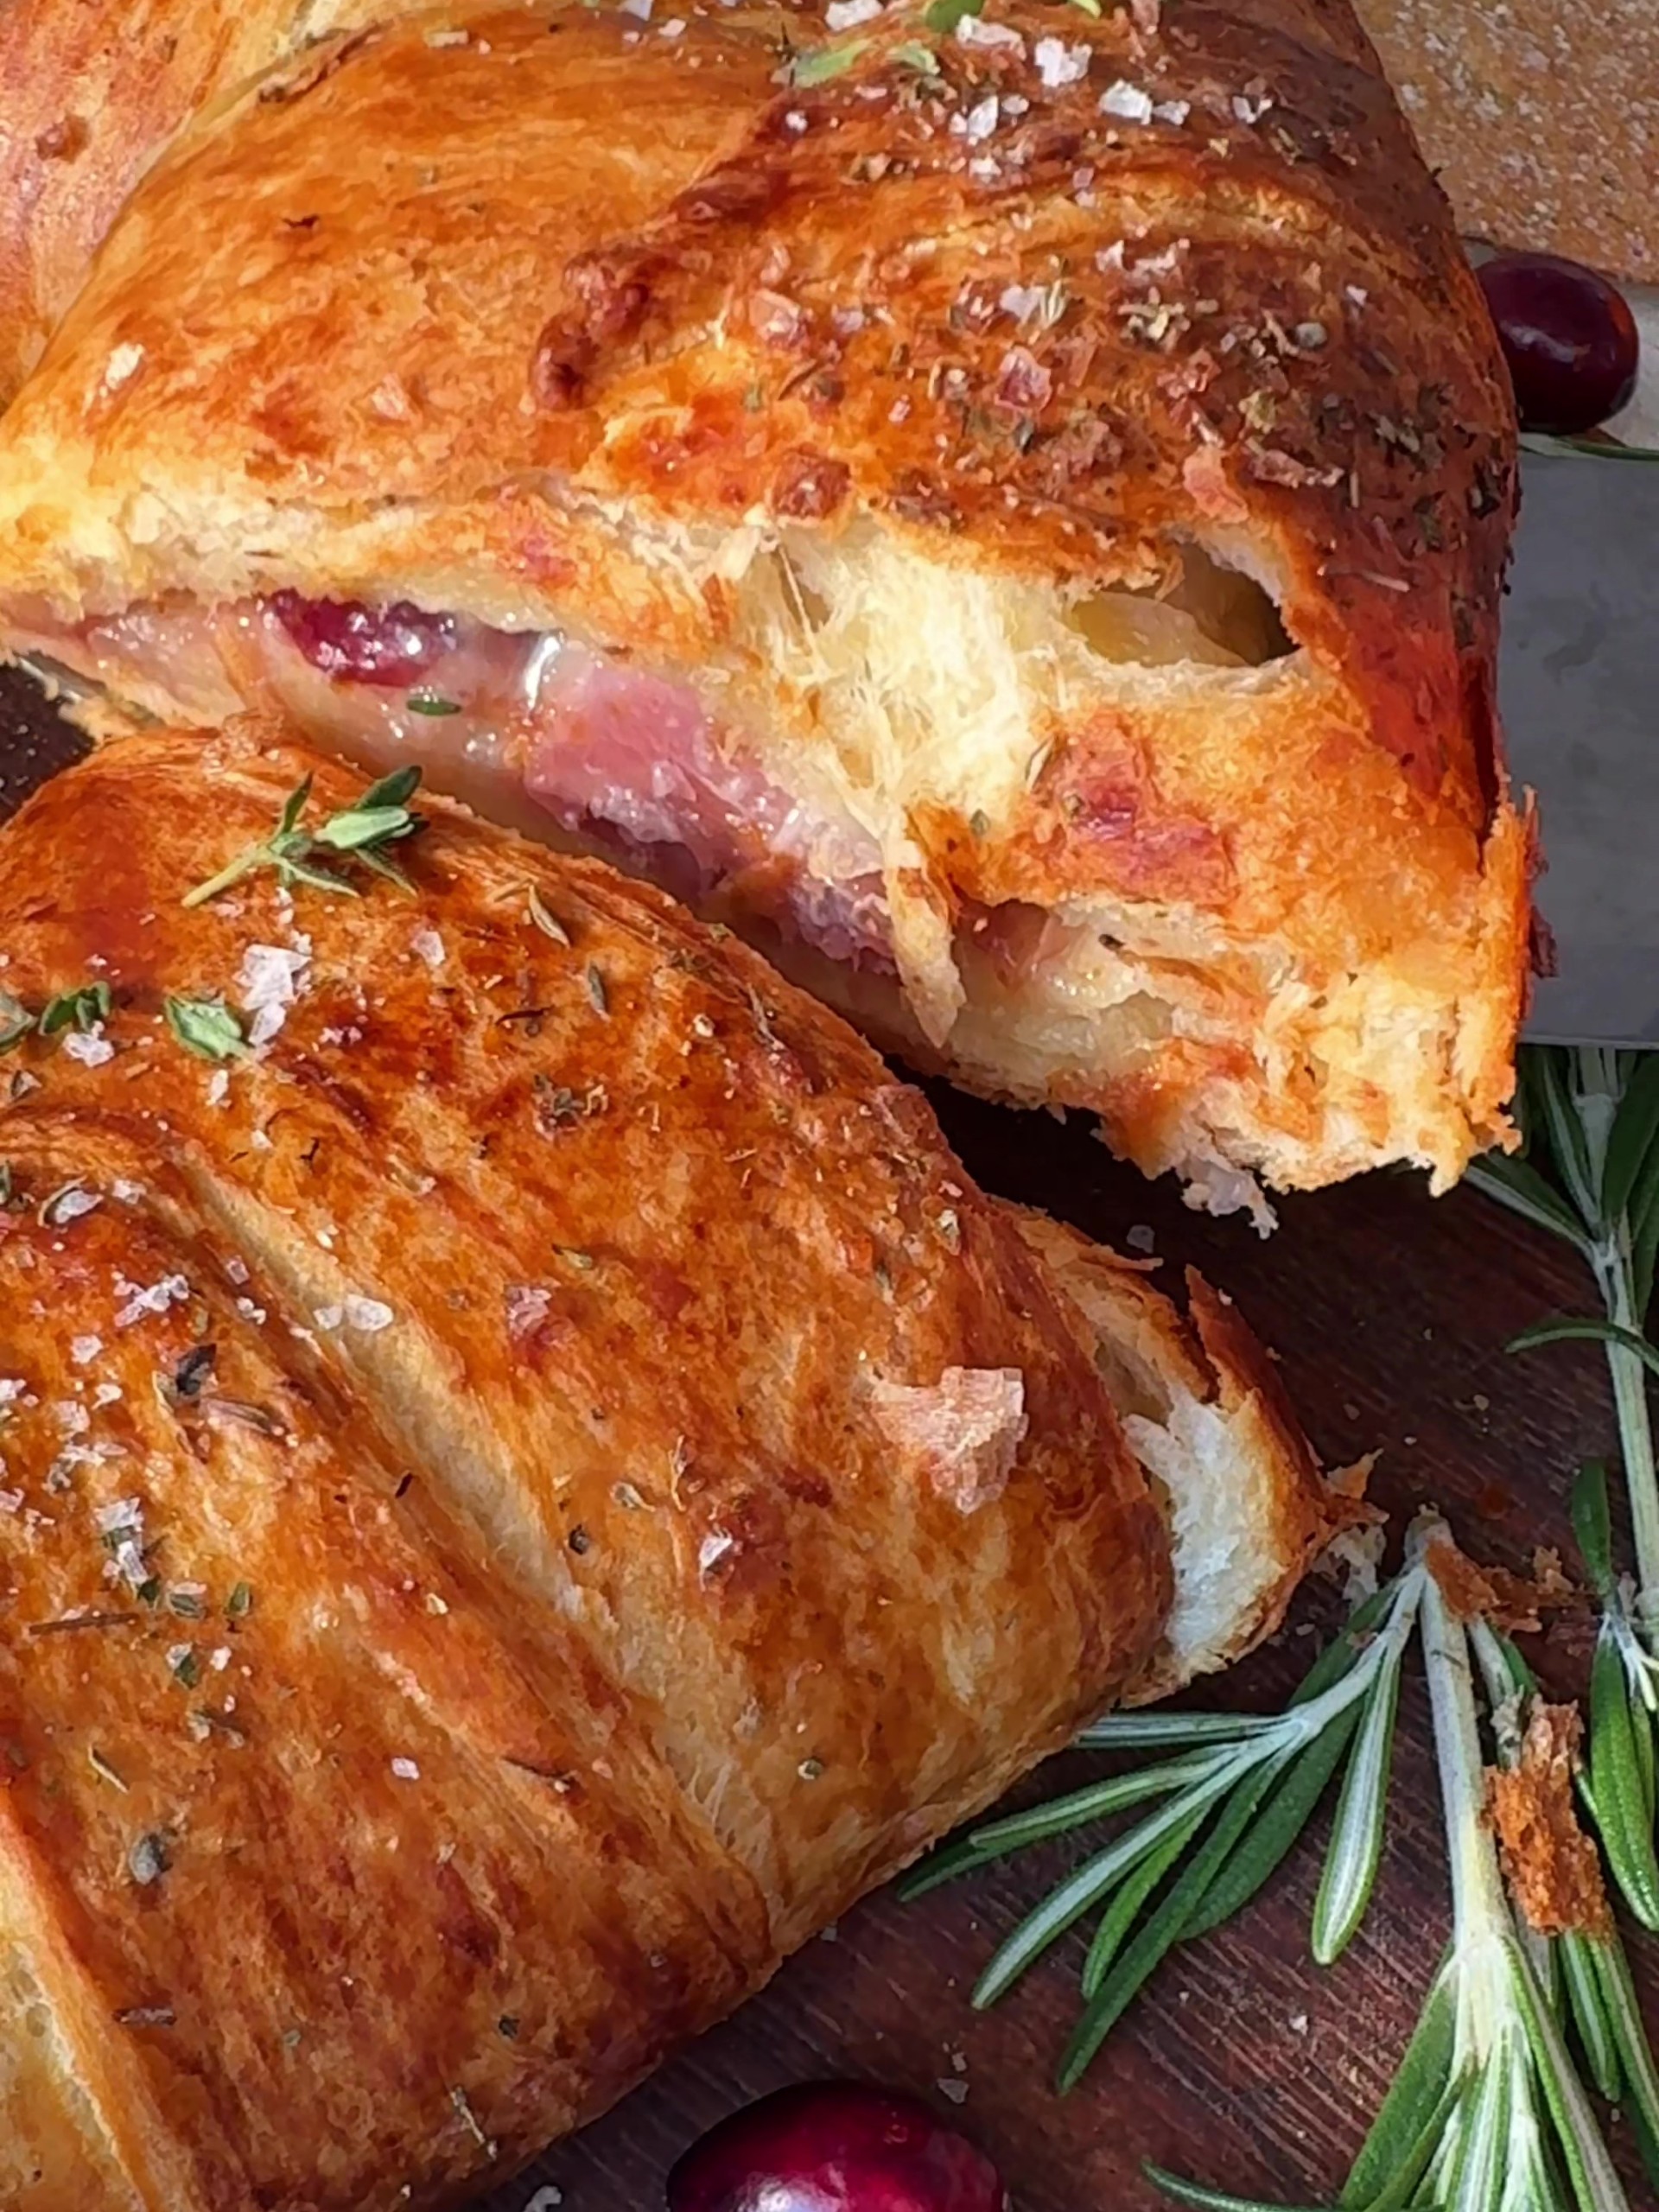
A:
379,818
1252,1782
1487,2113
1589,1174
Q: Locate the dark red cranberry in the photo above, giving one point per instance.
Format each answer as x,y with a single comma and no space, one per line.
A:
394,644
1570,340
835,2146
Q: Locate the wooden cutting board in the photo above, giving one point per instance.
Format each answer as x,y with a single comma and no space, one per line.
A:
1244,2064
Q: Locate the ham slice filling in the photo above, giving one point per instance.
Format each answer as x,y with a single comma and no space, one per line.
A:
527,724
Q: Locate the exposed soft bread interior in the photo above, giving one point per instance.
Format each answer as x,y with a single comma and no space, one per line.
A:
870,688
1248,1507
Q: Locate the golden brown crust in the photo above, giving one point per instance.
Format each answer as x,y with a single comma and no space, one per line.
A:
548,1286
90,93
717,301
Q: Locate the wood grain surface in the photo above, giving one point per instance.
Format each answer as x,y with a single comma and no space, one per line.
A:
1244,2063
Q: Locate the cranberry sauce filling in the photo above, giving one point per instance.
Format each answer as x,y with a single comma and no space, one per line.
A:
627,760
387,645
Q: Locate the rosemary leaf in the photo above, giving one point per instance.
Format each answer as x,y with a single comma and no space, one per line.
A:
1645,1236
393,789
1590,2170
1154,1942
294,806
1212,2200
945,1865
1585,449
1640,2077
1093,1881
1635,1137
1571,1328
1515,1184
1135,1732
1059,1814
1417,2106
1593,1525
1616,1778
1356,1838
1124,1909
1575,1953
358,826
1271,1839
1569,1142
1346,1648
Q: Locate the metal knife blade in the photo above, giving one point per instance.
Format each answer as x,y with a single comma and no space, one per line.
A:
1578,690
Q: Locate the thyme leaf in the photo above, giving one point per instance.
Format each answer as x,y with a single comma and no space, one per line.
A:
16,1022
206,1027
80,1008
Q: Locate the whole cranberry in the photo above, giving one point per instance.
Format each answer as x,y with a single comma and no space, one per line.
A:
391,645
1569,339
835,2146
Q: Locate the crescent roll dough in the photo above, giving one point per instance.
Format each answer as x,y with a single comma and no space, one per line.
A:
525,1490
1008,516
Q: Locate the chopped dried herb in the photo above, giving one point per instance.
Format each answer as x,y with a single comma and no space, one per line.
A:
68,1622
548,925
193,1370
239,1604
103,1769
16,1022
428,703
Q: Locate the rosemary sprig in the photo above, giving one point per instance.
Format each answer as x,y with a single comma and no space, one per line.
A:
379,818
1229,1806
1487,2113
1589,1174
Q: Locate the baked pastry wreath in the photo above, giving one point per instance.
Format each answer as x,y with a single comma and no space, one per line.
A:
531,1479
1006,508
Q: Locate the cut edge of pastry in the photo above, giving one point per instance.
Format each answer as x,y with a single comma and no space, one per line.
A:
1237,1058
1207,1417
